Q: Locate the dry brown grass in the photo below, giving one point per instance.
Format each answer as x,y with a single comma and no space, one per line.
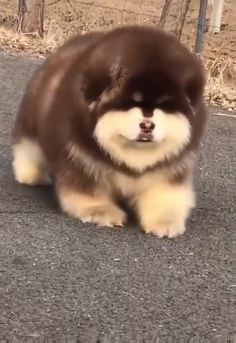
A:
16,42
221,81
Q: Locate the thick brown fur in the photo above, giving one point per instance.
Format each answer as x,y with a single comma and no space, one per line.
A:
94,75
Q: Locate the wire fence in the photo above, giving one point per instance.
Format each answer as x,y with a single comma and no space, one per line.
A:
72,16
64,18
217,50
82,15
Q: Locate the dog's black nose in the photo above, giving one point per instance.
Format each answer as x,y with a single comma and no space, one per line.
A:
147,126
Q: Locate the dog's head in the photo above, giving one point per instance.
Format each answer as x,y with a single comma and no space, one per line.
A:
141,88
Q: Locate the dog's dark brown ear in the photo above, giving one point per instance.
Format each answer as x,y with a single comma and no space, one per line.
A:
100,86
89,87
117,76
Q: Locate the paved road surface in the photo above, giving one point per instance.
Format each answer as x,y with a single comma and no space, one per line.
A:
59,278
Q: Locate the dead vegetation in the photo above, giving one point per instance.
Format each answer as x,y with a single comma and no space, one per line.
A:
221,81
64,19
18,43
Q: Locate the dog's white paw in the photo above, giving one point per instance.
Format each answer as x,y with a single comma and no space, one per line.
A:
108,216
168,228
32,176
29,164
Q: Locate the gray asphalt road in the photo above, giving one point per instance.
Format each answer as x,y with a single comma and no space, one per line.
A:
60,279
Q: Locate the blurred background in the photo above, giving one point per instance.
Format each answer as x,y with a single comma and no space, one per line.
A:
37,27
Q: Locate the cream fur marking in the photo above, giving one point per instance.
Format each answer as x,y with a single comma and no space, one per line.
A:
137,96
29,163
117,131
164,208
94,209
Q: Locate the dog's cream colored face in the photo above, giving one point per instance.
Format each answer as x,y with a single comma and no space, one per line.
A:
141,142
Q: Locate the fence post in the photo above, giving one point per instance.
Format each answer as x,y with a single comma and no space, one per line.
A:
216,16
201,27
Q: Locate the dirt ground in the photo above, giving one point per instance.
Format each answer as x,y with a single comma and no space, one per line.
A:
67,17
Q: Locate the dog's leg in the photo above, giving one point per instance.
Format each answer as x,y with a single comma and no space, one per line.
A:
29,163
164,208
87,204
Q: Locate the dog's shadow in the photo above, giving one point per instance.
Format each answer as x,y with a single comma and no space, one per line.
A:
47,197
42,198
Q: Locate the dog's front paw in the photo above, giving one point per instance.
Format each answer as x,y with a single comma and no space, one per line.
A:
164,209
99,210
108,216
162,228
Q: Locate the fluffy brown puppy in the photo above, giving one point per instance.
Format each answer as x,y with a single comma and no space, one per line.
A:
115,115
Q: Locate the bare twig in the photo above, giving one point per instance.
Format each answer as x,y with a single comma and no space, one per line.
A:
53,2
164,14
77,14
